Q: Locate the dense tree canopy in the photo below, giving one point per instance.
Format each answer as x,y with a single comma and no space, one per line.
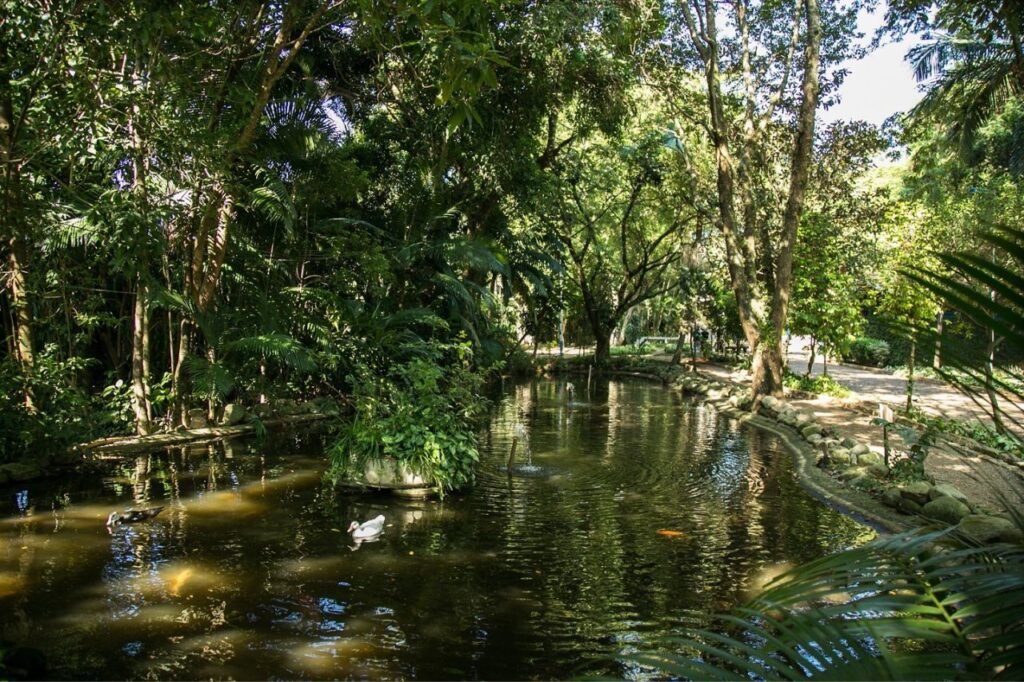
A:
249,201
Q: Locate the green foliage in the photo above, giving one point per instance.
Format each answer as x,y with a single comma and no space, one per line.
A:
908,462
63,412
821,385
422,413
920,605
868,351
617,351
989,292
973,430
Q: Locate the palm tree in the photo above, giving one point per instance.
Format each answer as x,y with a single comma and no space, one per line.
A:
972,67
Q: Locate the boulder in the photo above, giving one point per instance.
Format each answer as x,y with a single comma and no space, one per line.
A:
878,470
982,528
814,439
917,491
946,490
849,443
788,417
20,471
263,410
891,497
811,428
859,449
869,458
771,403
852,473
233,414
946,509
840,455
908,506
197,418
803,418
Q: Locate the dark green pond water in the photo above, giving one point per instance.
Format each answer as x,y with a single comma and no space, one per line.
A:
557,571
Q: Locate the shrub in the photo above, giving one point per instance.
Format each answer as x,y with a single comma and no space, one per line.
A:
818,384
422,413
519,363
63,412
868,351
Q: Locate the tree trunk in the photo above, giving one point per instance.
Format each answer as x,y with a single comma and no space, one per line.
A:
211,401
766,369
910,375
812,358
561,333
762,314
22,315
178,408
990,358
677,356
140,363
937,359
693,348
603,353
11,222
990,388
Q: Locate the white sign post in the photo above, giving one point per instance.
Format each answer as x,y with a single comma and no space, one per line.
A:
887,416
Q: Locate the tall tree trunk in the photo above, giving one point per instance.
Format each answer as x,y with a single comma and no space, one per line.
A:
937,358
766,368
910,374
618,337
211,402
603,353
763,319
990,387
770,380
178,408
693,348
677,356
11,224
211,243
812,358
561,332
18,287
990,359
140,347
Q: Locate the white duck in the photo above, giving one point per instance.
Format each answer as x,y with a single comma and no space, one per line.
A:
369,529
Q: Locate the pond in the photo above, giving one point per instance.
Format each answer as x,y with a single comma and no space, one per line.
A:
630,511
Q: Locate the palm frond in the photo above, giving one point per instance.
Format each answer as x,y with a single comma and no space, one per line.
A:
212,380
280,347
918,605
273,201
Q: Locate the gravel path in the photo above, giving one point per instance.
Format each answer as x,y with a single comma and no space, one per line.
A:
933,397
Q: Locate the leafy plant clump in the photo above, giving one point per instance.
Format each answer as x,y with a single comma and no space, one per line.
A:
868,351
973,430
421,413
822,385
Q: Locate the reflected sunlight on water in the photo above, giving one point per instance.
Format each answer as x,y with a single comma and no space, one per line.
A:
644,512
